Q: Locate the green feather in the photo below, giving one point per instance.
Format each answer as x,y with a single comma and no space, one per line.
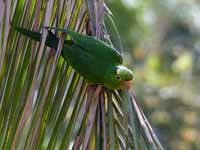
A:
92,58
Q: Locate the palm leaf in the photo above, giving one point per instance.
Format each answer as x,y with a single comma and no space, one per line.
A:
44,103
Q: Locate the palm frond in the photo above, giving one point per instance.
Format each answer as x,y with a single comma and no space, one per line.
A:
44,103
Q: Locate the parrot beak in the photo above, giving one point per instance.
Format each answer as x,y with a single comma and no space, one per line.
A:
127,84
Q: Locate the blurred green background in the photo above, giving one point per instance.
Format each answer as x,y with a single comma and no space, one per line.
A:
161,43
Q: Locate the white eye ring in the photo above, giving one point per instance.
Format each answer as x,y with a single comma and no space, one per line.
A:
118,77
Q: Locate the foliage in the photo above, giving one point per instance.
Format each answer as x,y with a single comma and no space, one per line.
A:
166,65
44,103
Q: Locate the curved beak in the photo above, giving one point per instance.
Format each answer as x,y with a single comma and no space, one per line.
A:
127,84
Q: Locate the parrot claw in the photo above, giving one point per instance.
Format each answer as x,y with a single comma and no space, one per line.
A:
56,29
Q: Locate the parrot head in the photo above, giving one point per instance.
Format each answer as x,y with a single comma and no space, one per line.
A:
120,77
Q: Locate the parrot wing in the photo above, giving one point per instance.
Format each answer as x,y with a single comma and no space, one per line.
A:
95,47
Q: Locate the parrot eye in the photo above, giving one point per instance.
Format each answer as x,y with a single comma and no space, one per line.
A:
118,77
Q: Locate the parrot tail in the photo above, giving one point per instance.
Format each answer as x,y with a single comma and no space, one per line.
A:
51,40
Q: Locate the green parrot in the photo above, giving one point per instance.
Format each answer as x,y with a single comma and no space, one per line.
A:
92,58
